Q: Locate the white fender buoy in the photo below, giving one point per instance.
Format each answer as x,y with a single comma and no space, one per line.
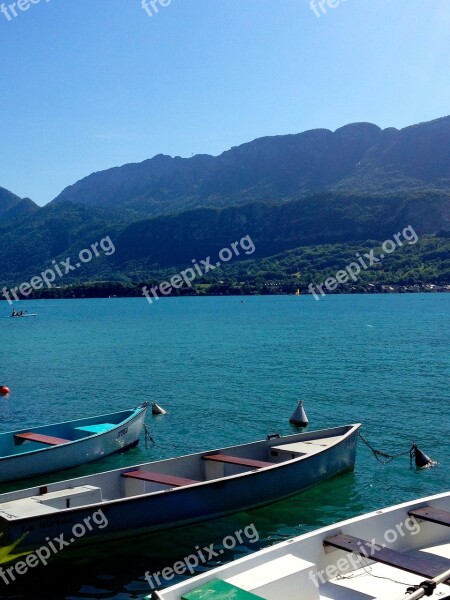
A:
299,417
157,410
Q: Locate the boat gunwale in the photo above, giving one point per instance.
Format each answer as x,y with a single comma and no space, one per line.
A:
352,429
134,413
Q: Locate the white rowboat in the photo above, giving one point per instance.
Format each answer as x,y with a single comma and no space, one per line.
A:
39,450
178,491
377,556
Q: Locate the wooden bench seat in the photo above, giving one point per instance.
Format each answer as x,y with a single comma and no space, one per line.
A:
434,515
41,438
429,566
160,478
235,460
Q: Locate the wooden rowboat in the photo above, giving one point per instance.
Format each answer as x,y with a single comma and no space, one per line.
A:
38,450
174,492
377,556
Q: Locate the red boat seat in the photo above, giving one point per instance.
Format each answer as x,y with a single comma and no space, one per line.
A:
160,478
41,438
235,460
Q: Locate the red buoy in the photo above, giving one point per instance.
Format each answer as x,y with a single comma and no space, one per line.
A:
4,391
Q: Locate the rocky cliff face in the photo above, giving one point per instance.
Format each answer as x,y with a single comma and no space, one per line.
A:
356,158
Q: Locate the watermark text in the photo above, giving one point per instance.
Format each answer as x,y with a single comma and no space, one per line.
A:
9,11
352,562
203,555
319,7
42,555
152,7
48,277
364,262
188,276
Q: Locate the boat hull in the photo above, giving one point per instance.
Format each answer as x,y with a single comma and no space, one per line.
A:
185,505
65,456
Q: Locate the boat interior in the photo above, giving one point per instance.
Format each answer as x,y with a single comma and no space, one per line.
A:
36,438
166,474
374,557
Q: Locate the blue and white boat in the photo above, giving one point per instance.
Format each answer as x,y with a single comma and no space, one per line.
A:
178,491
39,450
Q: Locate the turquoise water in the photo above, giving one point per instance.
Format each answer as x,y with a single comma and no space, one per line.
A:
230,372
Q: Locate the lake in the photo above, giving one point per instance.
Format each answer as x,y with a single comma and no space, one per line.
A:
228,372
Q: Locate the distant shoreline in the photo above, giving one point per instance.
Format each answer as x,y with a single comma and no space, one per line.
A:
120,290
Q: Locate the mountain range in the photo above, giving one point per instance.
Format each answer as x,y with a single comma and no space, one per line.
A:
358,183
13,207
359,158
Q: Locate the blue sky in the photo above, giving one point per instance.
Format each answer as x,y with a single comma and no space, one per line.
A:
91,84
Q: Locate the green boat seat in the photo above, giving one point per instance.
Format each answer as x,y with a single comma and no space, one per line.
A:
39,437
219,590
433,515
235,460
160,478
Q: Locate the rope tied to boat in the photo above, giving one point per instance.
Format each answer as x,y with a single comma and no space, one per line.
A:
148,437
421,459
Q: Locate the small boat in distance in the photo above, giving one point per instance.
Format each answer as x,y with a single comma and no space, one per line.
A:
383,555
39,450
178,491
21,313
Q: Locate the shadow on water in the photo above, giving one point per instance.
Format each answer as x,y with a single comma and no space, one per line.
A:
116,569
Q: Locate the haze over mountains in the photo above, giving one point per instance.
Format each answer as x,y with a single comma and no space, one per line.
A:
355,184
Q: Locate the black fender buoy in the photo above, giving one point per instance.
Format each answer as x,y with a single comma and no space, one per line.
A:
421,459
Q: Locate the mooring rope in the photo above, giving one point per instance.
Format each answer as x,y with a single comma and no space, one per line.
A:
389,457
148,436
